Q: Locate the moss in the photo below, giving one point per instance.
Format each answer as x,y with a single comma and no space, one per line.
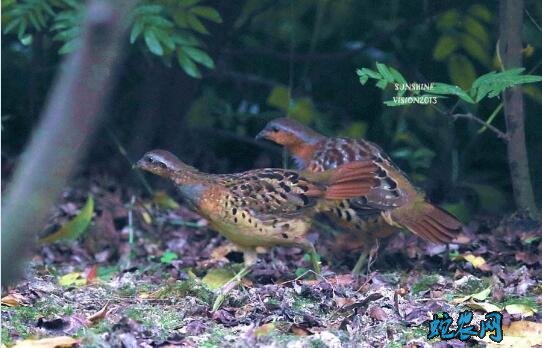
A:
161,319
529,301
216,338
187,288
424,283
473,286
6,337
21,320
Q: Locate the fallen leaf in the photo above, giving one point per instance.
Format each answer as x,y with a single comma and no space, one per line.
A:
99,315
217,277
75,227
164,201
377,313
74,278
264,330
524,310
483,306
50,342
520,334
13,300
92,274
479,296
476,261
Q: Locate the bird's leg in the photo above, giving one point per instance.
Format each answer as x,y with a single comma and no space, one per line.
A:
366,254
250,258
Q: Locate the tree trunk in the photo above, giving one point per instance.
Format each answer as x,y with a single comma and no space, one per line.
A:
511,25
72,113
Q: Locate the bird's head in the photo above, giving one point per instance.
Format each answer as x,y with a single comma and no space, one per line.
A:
160,162
289,133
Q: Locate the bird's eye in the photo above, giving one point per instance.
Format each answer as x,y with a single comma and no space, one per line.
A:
149,160
274,129
162,165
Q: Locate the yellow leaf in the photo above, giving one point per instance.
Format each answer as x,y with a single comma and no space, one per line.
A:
216,277
445,46
13,300
75,227
477,262
522,309
303,110
479,296
51,342
74,278
483,306
146,217
279,98
264,330
520,334
461,71
164,201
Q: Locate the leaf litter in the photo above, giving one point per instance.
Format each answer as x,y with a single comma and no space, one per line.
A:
151,280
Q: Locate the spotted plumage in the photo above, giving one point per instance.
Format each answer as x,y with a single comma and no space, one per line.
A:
262,207
393,202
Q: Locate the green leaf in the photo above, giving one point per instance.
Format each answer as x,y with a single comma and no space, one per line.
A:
217,277
448,20
482,12
196,24
137,29
494,83
279,98
475,49
477,30
207,13
385,72
199,56
75,227
152,42
168,257
461,71
69,47
445,46
444,88
164,201
187,64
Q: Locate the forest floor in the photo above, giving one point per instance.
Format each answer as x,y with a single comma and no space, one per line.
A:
145,274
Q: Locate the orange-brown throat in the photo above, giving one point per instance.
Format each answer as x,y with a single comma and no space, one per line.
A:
302,153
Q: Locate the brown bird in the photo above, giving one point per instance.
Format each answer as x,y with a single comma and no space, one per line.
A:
262,207
392,203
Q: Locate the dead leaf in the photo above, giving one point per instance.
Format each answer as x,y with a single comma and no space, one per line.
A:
476,261
99,315
14,300
71,279
521,309
217,277
479,296
520,334
378,313
164,201
483,306
50,342
264,330
75,227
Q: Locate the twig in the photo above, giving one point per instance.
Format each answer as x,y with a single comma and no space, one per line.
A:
469,116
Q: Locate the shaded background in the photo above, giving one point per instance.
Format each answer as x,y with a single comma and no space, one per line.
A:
272,58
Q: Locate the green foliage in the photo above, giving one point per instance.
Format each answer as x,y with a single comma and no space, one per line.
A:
168,257
489,85
168,28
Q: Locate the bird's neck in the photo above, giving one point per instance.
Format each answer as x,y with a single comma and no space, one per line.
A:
302,153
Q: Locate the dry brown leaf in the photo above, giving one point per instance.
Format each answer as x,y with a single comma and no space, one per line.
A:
378,313
50,342
520,334
13,300
99,315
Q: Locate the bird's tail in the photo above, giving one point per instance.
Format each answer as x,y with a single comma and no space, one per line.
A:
351,180
429,222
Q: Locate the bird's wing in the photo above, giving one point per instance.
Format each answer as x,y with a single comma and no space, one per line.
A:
272,193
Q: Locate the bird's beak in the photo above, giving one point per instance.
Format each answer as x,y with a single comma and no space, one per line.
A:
138,165
261,135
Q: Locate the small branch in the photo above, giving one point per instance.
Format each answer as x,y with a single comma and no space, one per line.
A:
469,116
